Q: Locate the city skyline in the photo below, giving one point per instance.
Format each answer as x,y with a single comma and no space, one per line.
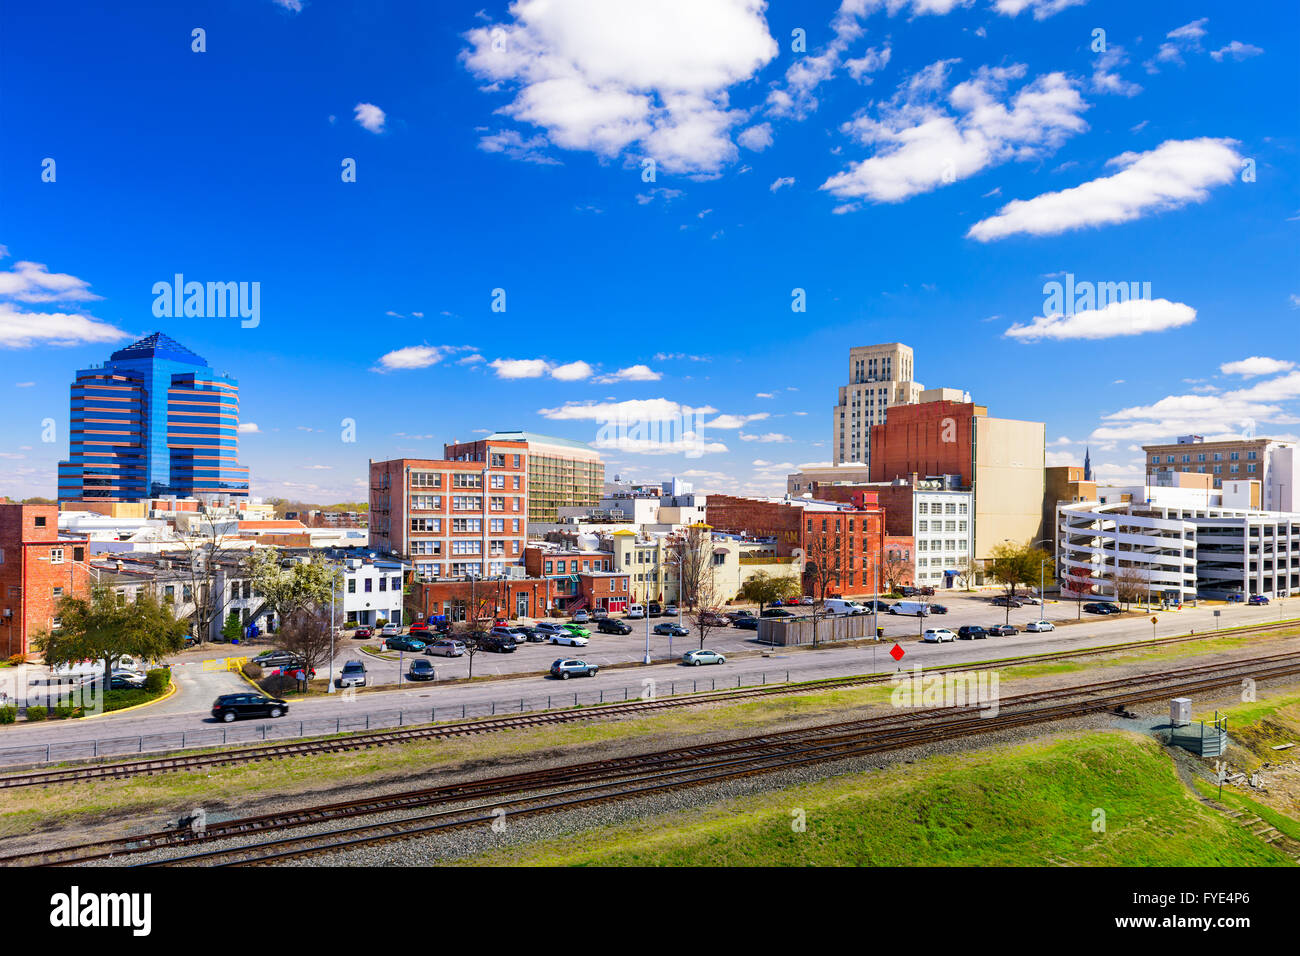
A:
375,297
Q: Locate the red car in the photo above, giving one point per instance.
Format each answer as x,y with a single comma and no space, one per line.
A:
419,627
363,632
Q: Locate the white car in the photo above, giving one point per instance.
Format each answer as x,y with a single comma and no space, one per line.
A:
391,630
1040,626
1026,599
572,640
670,610
635,611
937,635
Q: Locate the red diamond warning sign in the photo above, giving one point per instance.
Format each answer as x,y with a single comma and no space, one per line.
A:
896,652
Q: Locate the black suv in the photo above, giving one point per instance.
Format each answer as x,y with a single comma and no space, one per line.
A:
230,707
776,612
654,610
1101,608
608,625
971,632
497,644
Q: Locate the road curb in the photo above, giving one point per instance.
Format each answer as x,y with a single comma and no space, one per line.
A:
171,691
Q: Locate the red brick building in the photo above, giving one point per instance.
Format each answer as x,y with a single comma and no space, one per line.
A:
849,537
932,438
533,597
37,569
456,516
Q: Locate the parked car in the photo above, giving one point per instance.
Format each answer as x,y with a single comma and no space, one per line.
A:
672,630
938,609
229,707
926,591
445,647
1003,601
549,628
635,612
419,629
914,608
1257,599
498,643
671,610
599,613
569,638
1101,608
531,635
608,625
1003,630
362,633
735,616
938,635
807,600
696,658
567,667
776,612
840,606
390,630
1030,599
1037,626
654,610
972,632
516,631
577,630
275,660
908,591
127,681
580,617
404,643
712,619
352,675
747,623
420,669
876,606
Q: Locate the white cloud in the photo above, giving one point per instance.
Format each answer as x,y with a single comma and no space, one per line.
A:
781,183
519,368
1041,9
413,356
1226,414
633,373
249,428
32,282
26,329
756,138
1256,365
923,141
370,117
769,437
1133,317
1175,173
622,76
512,144
1106,79
632,410
735,421
471,359
764,395
572,372
1237,51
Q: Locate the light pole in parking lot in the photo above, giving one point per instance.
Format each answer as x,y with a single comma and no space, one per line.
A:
646,612
334,594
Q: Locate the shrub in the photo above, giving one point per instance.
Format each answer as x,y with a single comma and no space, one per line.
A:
8,715
253,671
36,712
156,680
61,712
380,621
17,659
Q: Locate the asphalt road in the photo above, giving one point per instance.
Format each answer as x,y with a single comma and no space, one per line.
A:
188,709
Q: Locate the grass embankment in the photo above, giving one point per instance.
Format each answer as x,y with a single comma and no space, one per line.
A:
1026,805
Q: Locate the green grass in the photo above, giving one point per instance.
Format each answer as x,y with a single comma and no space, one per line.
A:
1238,801
1027,805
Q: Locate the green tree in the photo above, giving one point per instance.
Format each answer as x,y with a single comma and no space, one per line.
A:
1013,565
233,629
763,588
292,587
107,628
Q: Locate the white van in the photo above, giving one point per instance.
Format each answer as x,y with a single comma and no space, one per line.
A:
635,611
841,606
913,608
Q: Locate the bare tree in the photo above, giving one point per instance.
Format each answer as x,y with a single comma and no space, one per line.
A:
477,610
966,569
207,548
306,635
823,563
1130,584
894,570
691,556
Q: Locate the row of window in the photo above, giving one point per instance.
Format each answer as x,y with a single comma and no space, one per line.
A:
940,526
384,584
561,566
941,508
463,525
1201,456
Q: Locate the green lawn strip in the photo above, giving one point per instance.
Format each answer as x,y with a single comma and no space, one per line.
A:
1024,805
38,809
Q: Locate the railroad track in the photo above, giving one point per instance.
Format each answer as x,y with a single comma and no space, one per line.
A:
366,740
620,778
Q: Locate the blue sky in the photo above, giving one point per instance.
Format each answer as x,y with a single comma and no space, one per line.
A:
921,169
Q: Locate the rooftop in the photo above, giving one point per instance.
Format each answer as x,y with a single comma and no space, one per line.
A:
159,346
535,438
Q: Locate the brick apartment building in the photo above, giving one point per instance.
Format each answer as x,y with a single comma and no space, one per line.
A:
453,517
37,569
850,536
534,597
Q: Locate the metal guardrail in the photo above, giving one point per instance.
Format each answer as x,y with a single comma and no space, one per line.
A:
283,729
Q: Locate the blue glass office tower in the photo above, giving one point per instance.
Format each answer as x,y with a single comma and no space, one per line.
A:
153,420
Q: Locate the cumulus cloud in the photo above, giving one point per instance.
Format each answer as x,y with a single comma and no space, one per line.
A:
1105,75
32,283
1236,50
511,143
1133,317
1228,413
1256,365
633,373
735,421
370,117
414,356
924,139
1174,174
756,138
781,183
249,428
572,372
641,409
616,77
519,368
1041,9
797,97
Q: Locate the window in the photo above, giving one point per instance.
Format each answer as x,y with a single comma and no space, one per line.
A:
426,502
923,508
462,480
497,525
514,525
498,503
58,593
516,477
466,503
426,525
559,566
352,585
40,521
467,524
426,547
56,555
383,584
426,479
548,567
498,481
516,461
370,585
498,460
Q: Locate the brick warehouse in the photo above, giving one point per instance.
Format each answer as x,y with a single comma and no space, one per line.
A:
37,569
854,531
524,597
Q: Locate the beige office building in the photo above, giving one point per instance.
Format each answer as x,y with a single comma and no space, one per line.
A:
1266,460
880,376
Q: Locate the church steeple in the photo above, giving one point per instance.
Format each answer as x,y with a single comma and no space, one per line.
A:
1087,463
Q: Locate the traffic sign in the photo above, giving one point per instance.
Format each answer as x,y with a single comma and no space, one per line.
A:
897,652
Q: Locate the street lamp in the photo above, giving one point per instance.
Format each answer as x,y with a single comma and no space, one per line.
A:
334,593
